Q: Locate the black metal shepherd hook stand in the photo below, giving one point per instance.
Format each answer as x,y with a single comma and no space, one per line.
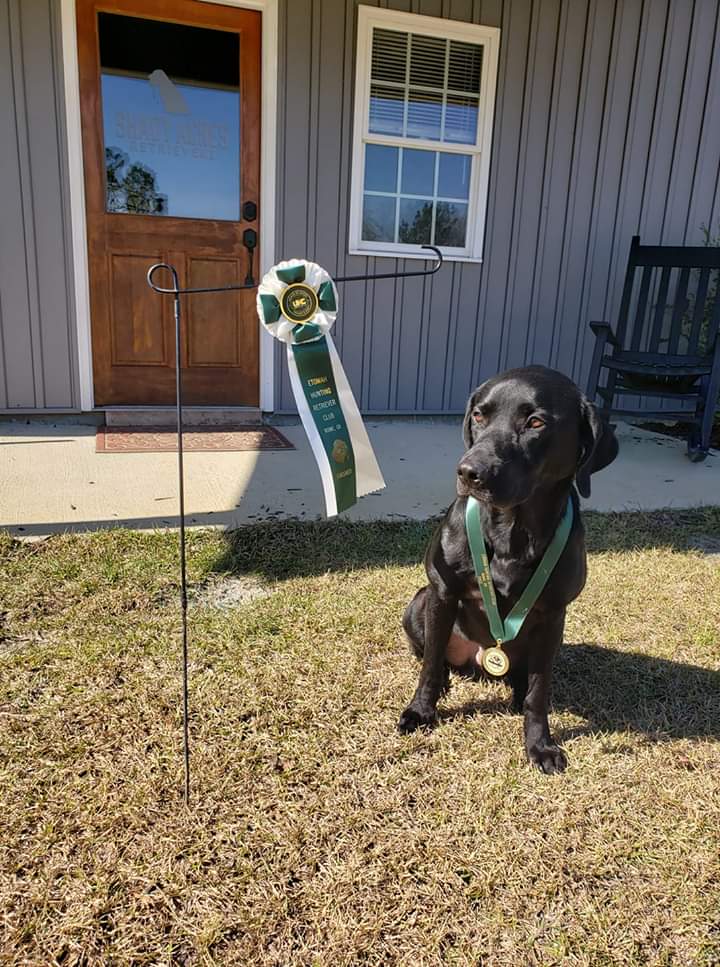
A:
176,291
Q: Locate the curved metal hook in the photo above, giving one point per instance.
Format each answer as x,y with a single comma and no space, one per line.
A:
171,269
176,290
397,275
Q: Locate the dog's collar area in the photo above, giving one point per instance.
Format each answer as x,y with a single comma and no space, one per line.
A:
495,660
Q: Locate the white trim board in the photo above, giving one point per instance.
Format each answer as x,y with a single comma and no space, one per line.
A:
78,231
268,141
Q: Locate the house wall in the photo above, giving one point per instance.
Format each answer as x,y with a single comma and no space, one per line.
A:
605,125
38,368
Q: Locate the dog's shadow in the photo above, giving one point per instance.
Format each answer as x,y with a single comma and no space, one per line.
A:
617,691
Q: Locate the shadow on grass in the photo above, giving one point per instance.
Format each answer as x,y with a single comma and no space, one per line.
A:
468,710
618,691
286,549
289,548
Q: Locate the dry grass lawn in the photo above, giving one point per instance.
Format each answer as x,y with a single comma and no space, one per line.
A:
318,835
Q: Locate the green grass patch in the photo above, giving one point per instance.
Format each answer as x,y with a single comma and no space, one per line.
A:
317,835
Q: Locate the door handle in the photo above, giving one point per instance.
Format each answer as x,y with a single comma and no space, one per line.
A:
250,242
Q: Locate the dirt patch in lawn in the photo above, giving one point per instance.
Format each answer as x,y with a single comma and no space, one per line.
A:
226,592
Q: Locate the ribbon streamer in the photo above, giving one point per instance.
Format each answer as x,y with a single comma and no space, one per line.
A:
297,303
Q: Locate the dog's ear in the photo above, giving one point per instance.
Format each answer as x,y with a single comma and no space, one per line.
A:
598,444
467,422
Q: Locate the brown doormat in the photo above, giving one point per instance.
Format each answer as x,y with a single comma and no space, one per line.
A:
156,439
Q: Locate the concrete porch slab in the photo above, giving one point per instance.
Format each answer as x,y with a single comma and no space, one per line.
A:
192,415
52,480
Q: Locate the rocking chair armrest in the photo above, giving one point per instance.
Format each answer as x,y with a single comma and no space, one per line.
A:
604,329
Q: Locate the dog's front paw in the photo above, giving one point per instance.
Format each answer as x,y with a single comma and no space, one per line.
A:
547,758
415,718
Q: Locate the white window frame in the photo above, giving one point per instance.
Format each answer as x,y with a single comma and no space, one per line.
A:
489,37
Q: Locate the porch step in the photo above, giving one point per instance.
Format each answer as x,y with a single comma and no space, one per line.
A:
192,415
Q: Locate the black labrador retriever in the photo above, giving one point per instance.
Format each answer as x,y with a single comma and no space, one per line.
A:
529,433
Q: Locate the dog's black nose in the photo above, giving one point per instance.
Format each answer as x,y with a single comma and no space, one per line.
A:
468,474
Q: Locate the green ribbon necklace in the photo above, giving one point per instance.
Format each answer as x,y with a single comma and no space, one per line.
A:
494,660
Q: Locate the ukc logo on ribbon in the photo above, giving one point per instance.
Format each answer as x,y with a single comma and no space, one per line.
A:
297,303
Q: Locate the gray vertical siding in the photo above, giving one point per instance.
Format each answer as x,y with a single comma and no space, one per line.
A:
606,124
37,336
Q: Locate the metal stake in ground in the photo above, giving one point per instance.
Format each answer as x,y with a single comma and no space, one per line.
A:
183,570
181,509
176,292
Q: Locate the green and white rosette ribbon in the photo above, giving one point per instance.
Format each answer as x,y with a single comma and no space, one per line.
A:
297,303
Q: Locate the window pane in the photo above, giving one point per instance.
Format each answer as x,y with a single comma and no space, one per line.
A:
450,224
427,61
461,117
418,172
381,168
422,89
425,115
378,219
387,107
171,117
415,220
464,67
454,175
389,56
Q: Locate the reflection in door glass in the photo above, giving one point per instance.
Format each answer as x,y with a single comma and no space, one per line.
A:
171,118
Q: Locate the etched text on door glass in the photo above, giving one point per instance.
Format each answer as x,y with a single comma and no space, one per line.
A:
171,118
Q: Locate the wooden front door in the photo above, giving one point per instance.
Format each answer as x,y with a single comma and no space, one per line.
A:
170,102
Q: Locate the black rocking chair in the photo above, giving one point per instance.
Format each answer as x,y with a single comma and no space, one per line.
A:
664,346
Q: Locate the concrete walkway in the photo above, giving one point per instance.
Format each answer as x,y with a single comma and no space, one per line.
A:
51,479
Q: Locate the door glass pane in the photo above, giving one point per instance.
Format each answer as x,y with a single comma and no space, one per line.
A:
171,118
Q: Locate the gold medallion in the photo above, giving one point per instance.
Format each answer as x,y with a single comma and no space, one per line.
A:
495,662
340,451
299,302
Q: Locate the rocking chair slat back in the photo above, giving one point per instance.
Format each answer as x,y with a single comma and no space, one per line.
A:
666,342
660,307
714,325
668,311
679,309
698,310
627,292
641,306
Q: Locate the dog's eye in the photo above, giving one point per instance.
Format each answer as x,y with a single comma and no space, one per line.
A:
478,417
535,423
